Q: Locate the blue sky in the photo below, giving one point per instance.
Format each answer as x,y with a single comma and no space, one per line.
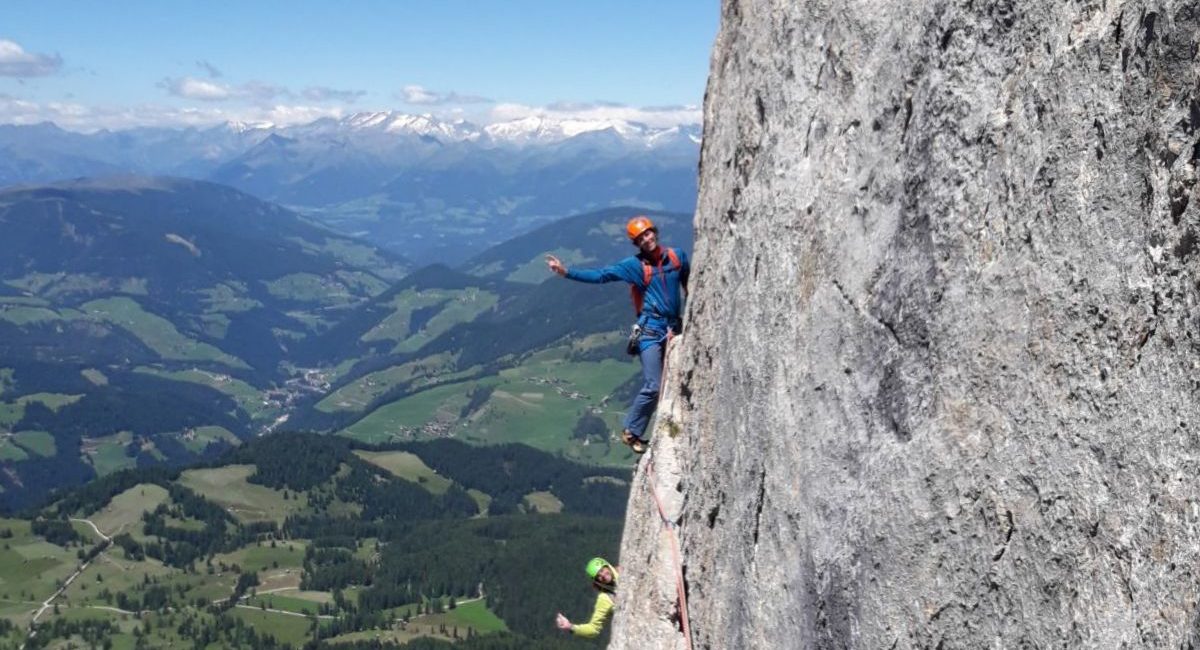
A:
88,65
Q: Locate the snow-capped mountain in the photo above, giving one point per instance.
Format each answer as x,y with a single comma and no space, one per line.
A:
534,129
387,175
540,129
391,122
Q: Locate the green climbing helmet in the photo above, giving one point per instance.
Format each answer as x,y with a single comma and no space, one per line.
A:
594,566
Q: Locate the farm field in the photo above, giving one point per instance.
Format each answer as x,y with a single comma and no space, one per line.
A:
123,514
407,466
308,287
30,569
356,395
199,438
461,307
537,403
287,628
11,412
109,453
472,614
286,554
543,502
247,502
37,442
404,418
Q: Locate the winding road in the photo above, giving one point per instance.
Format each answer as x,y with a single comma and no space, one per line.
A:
67,583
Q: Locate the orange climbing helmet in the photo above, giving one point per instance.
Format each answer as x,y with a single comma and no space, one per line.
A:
637,226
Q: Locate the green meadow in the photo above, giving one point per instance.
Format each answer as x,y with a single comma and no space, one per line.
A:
198,439
310,288
356,395
405,417
95,376
534,270
229,297
248,398
123,514
287,554
9,450
108,453
24,315
537,403
543,502
157,332
460,307
284,627
246,501
37,442
11,412
408,467
30,569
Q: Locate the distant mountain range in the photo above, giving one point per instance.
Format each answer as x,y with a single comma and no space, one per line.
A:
426,188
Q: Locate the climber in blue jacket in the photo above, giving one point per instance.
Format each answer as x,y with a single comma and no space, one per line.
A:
657,278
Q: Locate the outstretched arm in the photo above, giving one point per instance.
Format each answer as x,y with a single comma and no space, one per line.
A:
627,270
600,615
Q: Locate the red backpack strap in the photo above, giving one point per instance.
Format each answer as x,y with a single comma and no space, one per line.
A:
638,294
674,259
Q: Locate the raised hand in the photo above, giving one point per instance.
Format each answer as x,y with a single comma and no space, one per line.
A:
562,622
556,265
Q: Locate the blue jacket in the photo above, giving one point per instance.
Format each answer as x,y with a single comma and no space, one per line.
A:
663,300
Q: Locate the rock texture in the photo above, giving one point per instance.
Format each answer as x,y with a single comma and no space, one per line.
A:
941,381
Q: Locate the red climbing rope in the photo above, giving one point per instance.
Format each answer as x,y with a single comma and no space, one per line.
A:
670,527
666,522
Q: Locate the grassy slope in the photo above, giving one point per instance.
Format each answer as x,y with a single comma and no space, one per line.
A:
408,467
249,398
537,403
244,500
158,333
124,512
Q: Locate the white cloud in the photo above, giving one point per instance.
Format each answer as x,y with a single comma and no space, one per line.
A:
78,117
191,88
418,95
421,96
211,90
654,116
208,90
16,62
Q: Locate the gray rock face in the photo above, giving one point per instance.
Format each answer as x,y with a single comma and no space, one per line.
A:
941,376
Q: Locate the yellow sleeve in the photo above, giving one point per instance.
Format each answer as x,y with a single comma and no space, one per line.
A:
600,616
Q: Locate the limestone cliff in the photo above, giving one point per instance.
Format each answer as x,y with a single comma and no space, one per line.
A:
941,380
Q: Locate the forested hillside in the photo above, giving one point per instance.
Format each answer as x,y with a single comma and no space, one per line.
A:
301,540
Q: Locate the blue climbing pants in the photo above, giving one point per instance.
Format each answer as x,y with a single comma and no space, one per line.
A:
646,399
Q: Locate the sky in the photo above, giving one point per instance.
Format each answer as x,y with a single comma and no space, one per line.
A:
117,64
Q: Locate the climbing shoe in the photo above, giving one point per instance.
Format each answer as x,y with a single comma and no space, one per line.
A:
635,443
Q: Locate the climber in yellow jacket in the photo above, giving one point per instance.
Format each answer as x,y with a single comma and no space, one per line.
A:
604,580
